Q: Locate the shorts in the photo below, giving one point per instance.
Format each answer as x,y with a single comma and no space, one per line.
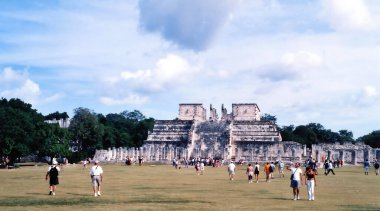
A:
366,169
96,181
257,172
53,181
231,172
295,184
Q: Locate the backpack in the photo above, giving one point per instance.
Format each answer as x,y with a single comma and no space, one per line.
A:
53,172
376,165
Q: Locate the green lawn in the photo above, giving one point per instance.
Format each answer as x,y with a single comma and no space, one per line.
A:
166,188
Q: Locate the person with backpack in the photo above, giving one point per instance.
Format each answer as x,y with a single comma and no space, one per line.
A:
53,173
257,172
376,166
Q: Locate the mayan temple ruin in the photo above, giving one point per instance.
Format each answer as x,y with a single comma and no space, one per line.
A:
239,135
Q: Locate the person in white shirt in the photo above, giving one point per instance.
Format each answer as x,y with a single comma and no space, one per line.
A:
96,173
202,168
296,179
281,169
231,170
52,174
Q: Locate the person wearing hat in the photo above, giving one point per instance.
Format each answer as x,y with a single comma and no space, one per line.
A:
96,173
53,173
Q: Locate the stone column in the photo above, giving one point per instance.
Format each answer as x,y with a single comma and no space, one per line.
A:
304,150
121,153
354,158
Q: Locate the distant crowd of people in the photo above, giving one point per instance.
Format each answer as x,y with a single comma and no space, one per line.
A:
297,178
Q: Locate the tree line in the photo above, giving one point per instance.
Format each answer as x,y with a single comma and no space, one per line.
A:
315,133
24,132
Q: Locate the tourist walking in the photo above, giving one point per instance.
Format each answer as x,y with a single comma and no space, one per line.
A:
250,173
376,166
52,173
257,172
311,182
366,167
231,170
267,172
96,174
281,169
272,169
197,168
330,169
202,168
296,180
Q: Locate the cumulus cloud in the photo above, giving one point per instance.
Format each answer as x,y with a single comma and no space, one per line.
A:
15,84
366,96
347,15
190,24
291,66
168,72
131,99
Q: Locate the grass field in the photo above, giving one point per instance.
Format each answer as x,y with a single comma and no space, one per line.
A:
165,188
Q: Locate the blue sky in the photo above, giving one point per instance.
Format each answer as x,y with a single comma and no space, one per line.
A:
303,61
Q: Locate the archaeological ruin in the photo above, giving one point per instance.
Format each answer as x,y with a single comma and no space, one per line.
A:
239,135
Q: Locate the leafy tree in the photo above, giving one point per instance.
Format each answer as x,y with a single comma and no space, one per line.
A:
134,115
87,130
17,127
269,118
53,141
372,139
305,135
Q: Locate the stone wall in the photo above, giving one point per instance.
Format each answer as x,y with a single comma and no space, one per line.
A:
192,112
350,153
246,112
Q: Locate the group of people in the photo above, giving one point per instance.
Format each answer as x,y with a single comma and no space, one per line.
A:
296,180
96,174
367,164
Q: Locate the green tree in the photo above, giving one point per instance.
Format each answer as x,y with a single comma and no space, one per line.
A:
52,141
372,139
87,130
269,118
17,127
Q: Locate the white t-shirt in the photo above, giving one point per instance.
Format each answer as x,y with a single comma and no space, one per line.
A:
257,166
296,172
231,167
96,170
50,167
281,165
202,166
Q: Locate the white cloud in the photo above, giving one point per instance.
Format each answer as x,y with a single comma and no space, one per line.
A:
347,15
131,99
168,71
302,59
16,84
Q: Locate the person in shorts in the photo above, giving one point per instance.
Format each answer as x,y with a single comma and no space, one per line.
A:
53,173
281,169
295,181
366,167
376,166
96,174
267,172
250,173
231,170
257,171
